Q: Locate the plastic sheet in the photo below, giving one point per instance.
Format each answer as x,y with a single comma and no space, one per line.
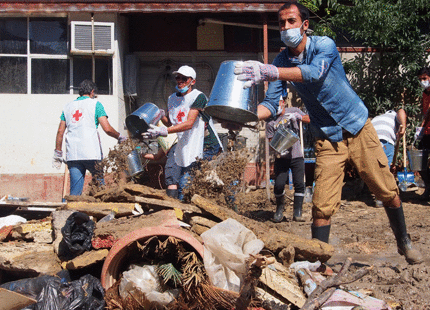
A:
227,245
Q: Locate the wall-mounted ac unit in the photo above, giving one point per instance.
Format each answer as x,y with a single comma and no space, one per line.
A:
81,38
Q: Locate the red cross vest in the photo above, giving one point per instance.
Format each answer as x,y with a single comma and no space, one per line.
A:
190,142
82,137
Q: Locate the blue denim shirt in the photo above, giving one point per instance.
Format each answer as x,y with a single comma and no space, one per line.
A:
331,102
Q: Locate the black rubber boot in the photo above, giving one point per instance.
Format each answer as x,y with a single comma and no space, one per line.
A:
172,193
280,206
297,208
321,233
404,243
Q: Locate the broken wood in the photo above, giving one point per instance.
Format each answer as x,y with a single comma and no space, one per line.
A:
327,287
14,301
274,240
100,209
175,204
284,285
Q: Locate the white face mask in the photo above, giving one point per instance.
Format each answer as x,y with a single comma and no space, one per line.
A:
292,37
425,84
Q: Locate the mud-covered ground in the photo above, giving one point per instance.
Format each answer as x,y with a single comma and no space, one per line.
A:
362,232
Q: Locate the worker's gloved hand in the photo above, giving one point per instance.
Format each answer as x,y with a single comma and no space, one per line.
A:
418,136
254,72
122,138
155,132
57,160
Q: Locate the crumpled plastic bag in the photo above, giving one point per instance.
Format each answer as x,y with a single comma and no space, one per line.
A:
77,234
227,245
54,293
146,280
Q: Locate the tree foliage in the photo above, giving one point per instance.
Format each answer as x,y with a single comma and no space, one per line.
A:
398,34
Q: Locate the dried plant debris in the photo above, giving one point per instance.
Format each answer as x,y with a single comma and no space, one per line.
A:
220,178
115,165
178,267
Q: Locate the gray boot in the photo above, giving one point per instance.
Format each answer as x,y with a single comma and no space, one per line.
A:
321,233
404,243
280,206
297,208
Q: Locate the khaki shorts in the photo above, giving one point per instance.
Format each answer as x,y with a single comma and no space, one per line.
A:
364,151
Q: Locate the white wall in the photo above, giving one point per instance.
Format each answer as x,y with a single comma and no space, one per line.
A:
28,127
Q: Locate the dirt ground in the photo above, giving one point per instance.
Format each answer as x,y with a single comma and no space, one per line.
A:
362,232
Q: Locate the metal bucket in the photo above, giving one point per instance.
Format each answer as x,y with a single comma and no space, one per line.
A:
135,165
138,122
228,100
418,159
283,139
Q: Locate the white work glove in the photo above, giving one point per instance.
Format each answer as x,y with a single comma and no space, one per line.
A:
155,132
122,138
57,160
255,72
418,136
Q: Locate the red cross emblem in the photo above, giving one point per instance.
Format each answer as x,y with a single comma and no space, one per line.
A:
77,115
179,116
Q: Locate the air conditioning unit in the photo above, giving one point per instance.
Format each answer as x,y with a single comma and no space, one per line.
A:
82,35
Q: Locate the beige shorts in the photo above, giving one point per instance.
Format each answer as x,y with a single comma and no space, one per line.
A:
365,152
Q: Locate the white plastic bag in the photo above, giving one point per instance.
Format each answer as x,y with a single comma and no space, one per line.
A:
146,280
227,245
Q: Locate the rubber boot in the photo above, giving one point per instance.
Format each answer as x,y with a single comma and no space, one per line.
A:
172,193
280,206
321,233
297,208
404,243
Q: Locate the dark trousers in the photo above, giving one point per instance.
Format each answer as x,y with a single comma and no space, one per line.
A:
282,166
424,144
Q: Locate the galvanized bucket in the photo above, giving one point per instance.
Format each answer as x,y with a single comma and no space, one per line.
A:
138,122
418,159
283,139
135,165
228,100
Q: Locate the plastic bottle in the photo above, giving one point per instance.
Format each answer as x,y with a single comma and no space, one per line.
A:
110,216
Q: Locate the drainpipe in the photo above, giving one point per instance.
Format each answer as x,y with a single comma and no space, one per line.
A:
93,50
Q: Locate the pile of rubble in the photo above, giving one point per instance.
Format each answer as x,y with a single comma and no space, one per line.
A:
205,255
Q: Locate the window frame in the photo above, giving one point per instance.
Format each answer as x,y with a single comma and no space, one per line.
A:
68,55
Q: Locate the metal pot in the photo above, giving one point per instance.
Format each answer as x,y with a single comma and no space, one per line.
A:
228,100
283,139
135,165
138,122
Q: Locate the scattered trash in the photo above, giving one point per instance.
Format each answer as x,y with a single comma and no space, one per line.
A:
11,220
227,246
77,234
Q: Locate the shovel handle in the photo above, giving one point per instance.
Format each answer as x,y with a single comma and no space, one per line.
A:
404,151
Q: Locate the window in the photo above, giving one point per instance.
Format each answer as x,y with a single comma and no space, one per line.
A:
34,59
82,69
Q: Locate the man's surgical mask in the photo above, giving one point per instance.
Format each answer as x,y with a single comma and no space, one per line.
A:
425,84
292,37
183,90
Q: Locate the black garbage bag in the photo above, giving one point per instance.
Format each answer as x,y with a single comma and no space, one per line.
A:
55,294
77,234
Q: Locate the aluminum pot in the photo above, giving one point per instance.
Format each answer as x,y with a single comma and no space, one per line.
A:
283,139
138,122
135,165
228,100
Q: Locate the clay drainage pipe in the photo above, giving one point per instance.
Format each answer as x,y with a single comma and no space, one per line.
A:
114,264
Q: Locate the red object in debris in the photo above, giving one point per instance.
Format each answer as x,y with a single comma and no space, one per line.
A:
103,242
5,231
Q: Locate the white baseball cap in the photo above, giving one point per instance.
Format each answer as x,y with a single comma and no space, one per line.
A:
186,71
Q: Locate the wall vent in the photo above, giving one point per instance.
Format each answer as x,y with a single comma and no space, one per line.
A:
82,38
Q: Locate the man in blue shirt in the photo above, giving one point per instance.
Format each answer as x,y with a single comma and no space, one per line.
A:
339,120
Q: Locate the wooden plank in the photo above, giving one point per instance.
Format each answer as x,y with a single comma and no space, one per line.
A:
14,301
285,287
100,209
